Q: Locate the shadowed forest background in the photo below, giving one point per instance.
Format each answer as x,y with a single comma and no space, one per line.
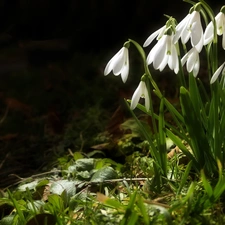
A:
53,95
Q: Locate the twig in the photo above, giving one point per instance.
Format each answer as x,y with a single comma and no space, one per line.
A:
21,179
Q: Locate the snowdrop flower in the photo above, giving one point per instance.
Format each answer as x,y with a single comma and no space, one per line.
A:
140,92
220,27
217,73
163,53
157,34
119,64
190,28
191,58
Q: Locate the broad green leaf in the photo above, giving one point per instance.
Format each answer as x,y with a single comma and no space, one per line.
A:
83,175
105,173
84,164
31,186
8,220
77,155
59,186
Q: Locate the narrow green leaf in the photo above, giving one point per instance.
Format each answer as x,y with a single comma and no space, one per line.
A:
17,207
206,184
180,145
143,210
184,177
199,141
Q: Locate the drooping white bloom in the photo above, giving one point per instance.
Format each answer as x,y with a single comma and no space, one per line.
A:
217,73
157,34
220,27
163,53
119,64
140,92
190,28
191,58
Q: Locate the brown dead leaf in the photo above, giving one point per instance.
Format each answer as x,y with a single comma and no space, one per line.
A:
101,197
173,152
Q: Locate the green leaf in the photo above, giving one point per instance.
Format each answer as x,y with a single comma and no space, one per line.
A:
206,184
184,176
17,207
31,186
59,186
42,183
177,141
77,155
143,210
105,173
84,164
83,175
8,220
198,139
35,205
55,202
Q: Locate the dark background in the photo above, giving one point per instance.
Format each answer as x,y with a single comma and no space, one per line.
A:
52,88
81,26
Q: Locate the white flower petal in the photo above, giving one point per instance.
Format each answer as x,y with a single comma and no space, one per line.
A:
108,68
196,67
217,73
191,62
119,62
161,52
185,36
209,33
151,54
184,58
140,92
173,62
136,96
153,36
125,72
180,27
220,23
196,34
147,100
163,63
223,41
200,44
112,61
